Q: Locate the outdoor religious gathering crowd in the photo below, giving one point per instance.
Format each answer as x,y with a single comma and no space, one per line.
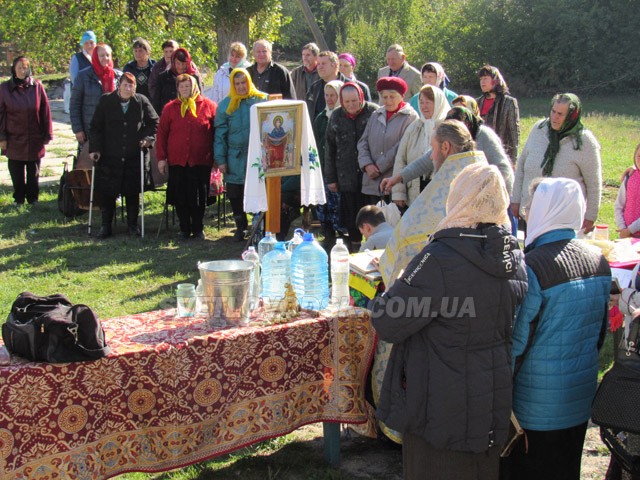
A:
450,166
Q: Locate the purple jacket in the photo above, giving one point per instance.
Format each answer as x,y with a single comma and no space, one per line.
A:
25,120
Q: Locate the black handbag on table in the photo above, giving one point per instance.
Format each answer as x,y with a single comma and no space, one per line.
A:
52,329
616,406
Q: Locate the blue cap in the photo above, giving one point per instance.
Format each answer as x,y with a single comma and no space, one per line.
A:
88,35
308,237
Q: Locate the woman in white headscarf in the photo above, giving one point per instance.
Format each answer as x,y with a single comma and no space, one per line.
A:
221,83
557,334
447,386
328,214
416,141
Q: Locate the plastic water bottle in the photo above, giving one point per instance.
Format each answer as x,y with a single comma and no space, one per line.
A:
340,274
276,272
296,240
310,274
250,255
266,245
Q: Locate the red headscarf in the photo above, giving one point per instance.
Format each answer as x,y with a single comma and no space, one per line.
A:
106,75
183,55
360,97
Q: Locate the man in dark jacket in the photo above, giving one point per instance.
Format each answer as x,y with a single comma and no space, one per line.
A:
306,74
124,122
328,70
447,386
269,76
341,171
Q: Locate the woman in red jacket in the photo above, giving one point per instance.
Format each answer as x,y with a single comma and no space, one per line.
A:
25,128
185,146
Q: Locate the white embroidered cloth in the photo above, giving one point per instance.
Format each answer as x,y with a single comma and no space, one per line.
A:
311,182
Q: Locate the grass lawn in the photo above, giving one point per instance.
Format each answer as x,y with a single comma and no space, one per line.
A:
42,253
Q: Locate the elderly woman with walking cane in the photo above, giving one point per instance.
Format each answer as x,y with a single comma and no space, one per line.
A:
124,122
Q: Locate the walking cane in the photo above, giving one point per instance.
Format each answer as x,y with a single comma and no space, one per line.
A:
142,192
93,182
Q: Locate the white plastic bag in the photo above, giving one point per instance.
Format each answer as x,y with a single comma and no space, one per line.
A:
391,212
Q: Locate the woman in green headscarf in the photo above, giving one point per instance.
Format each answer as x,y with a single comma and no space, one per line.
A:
560,146
231,143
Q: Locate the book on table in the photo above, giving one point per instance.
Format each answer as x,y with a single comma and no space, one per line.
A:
365,262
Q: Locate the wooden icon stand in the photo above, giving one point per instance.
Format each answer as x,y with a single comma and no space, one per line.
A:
274,203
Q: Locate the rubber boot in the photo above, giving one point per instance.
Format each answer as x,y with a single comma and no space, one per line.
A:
241,226
107,220
133,205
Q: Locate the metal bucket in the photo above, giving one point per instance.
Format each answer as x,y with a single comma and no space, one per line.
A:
227,290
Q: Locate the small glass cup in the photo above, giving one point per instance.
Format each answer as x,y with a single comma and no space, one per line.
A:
186,299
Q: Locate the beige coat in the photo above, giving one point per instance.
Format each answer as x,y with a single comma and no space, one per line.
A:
415,143
410,75
379,144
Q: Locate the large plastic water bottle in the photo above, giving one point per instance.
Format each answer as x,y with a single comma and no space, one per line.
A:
250,255
266,245
276,272
340,274
310,274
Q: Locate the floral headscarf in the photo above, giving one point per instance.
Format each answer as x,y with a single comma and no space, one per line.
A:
441,76
16,80
183,55
188,103
360,98
499,85
477,195
335,85
471,121
572,126
106,75
235,99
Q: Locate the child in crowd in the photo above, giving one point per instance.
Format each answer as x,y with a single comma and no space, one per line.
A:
372,225
627,206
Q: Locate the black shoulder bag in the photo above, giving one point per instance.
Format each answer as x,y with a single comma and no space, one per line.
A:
52,329
617,401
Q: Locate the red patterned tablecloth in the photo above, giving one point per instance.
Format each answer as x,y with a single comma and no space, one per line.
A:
176,391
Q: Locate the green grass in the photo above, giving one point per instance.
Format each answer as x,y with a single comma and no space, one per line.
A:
42,253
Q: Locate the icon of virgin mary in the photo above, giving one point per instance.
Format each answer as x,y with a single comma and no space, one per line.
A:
275,144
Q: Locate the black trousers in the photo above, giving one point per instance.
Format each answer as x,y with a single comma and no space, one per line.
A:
188,189
235,194
551,455
108,209
350,205
422,461
22,188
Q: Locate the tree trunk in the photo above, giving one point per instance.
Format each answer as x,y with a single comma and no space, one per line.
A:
229,31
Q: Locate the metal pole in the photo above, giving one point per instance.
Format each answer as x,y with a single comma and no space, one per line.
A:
142,192
93,181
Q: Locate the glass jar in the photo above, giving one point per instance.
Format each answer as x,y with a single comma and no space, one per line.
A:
601,232
186,299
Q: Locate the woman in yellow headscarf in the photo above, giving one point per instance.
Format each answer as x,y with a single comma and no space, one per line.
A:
232,141
184,141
